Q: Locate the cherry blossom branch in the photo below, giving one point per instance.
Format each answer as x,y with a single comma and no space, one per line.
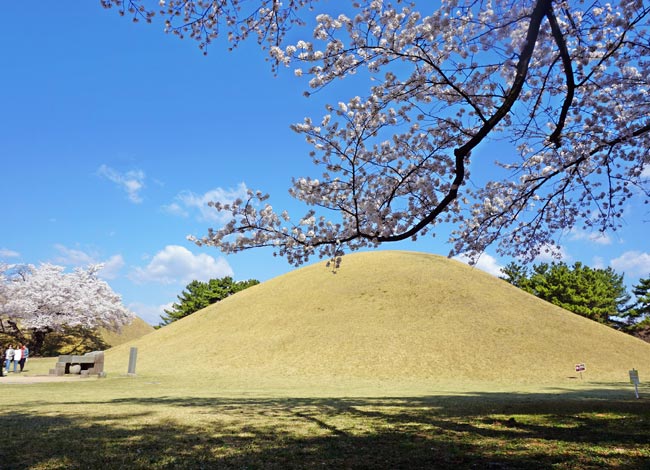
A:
567,85
568,73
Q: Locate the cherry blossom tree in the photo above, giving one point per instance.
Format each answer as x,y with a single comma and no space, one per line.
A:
9,273
45,299
4,291
562,86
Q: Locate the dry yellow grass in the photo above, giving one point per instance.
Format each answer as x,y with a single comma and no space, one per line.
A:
388,320
136,329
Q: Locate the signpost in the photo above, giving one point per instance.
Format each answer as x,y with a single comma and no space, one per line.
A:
580,368
634,378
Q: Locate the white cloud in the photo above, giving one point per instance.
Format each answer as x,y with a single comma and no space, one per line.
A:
149,313
176,264
486,263
187,201
111,267
176,209
599,238
551,254
645,173
632,263
491,265
73,257
7,253
132,181
598,262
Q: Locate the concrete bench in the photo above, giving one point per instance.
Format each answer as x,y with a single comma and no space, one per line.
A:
89,364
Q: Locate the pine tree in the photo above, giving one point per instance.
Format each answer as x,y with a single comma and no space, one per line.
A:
198,295
641,306
516,274
598,294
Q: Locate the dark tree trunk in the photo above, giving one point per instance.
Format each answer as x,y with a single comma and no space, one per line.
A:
15,332
38,339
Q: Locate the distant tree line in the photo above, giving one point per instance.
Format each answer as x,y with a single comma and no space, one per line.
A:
198,295
594,293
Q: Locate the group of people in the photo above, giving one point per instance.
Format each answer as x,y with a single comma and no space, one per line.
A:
18,356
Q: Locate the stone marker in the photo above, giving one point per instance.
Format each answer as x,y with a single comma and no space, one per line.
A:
133,355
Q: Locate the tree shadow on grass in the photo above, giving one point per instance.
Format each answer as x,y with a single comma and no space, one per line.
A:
578,430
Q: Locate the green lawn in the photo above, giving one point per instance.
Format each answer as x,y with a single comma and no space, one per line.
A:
145,422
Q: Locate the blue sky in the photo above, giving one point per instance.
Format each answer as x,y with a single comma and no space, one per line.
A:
114,135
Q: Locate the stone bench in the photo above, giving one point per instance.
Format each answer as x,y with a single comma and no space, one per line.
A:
89,364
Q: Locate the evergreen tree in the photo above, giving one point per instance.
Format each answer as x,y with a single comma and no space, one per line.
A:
598,294
641,308
198,295
516,274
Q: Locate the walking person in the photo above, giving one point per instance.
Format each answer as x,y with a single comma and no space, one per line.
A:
9,357
18,355
2,367
23,357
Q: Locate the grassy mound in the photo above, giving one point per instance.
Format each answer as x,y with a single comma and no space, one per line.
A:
134,330
391,318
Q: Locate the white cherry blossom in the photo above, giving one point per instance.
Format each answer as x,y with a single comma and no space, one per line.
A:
46,298
561,83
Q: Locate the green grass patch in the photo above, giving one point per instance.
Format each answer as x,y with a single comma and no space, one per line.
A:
145,422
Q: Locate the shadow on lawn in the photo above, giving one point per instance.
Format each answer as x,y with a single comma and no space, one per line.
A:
586,429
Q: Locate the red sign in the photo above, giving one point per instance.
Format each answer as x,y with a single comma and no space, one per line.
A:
580,367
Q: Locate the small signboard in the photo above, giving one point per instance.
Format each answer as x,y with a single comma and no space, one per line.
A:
581,368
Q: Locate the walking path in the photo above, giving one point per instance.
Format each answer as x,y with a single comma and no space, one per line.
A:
14,378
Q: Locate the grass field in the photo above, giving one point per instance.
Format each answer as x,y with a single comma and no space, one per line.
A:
399,361
146,422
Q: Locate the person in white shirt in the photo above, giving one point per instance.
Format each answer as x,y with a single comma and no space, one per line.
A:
18,354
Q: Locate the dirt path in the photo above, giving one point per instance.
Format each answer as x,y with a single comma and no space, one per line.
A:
13,379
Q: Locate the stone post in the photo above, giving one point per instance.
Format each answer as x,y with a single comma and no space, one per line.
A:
132,357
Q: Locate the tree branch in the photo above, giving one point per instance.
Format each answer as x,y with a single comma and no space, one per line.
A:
568,72
539,12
